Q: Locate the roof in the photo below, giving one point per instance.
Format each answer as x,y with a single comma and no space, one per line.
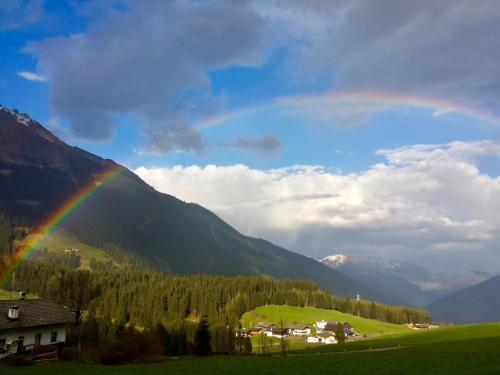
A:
299,326
34,313
265,325
325,335
330,326
279,330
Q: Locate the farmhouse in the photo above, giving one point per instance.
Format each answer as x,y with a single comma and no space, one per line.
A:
320,326
299,330
422,326
312,339
278,332
326,338
324,326
28,324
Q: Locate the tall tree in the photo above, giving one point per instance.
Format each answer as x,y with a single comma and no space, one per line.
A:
74,289
202,338
340,333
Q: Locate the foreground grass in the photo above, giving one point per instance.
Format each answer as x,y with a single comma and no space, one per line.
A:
309,315
441,337
454,356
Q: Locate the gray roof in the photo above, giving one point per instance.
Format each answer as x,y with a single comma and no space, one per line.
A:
34,313
299,326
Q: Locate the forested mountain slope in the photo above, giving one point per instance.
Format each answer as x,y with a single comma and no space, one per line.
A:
39,172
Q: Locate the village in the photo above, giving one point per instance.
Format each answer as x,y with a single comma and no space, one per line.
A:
321,332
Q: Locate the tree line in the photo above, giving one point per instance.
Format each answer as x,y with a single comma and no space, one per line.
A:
130,311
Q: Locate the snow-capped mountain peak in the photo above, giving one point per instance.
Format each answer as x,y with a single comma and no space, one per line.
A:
334,260
22,118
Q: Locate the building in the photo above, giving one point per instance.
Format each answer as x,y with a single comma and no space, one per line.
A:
320,326
299,330
278,332
27,324
326,338
312,339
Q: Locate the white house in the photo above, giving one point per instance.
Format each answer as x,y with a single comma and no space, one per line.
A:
320,326
299,330
326,338
312,339
278,332
26,324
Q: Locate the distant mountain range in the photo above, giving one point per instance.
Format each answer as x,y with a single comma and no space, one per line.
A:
38,172
409,283
476,304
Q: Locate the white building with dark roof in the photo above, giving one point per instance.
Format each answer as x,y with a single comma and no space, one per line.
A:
26,324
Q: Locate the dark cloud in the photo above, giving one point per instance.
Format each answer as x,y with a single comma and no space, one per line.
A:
446,49
150,60
267,144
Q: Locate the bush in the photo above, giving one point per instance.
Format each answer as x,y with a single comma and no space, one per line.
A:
16,361
69,354
130,346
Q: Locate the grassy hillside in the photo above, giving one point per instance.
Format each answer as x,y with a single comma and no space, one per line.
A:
310,315
60,240
455,350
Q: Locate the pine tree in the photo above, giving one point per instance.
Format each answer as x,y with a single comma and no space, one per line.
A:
202,338
247,344
339,333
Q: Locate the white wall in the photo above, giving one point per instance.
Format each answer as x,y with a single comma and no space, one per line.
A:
29,334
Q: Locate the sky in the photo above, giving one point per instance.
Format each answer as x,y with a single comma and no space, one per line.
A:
364,127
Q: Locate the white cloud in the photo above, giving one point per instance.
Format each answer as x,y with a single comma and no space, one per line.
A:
30,76
423,199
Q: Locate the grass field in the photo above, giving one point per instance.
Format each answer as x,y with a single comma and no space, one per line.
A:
7,294
59,240
454,350
309,315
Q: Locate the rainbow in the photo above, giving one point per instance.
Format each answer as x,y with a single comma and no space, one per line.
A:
379,101
35,240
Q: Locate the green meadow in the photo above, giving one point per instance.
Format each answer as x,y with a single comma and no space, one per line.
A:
60,240
473,349
309,315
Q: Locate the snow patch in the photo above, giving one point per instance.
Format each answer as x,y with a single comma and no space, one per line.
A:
334,260
21,118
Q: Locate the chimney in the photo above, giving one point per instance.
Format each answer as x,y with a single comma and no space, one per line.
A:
22,295
13,312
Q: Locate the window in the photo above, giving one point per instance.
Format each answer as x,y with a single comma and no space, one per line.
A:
38,338
53,337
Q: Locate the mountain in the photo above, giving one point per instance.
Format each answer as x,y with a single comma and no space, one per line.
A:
409,283
38,172
476,304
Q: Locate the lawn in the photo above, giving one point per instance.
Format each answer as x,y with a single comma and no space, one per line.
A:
457,350
309,315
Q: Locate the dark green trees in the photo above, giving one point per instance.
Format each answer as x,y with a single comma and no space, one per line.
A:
339,333
202,338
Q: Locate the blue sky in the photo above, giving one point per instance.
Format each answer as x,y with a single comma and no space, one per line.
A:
138,82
